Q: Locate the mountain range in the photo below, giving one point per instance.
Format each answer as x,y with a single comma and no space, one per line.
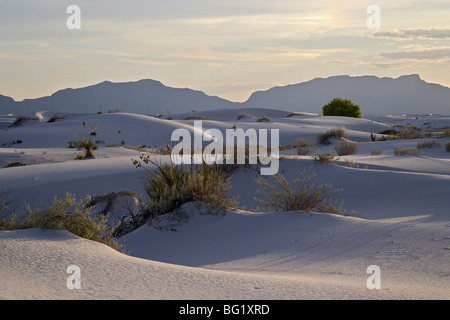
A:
405,94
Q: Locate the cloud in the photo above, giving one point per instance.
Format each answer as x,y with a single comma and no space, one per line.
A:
407,34
433,54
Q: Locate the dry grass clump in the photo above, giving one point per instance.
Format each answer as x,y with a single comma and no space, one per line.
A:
427,144
326,158
344,148
264,119
303,146
400,151
304,194
63,214
324,137
376,151
447,146
194,117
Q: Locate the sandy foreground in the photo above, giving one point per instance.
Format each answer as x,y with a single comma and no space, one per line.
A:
402,221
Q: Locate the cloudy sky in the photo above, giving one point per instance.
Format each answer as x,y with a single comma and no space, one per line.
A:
228,48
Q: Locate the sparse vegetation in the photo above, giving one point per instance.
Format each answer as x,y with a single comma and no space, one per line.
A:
243,115
342,107
264,119
326,158
344,148
64,214
303,146
400,151
21,119
169,186
427,144
324,137
376,151
194,117
294,114
86,144
304,194
447,146
55,117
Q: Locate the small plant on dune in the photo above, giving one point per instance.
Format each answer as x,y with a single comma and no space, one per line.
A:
304,194
243,115
324,137
264,119
294,114
66,214
376,151
21,119
427,144
55,117
344,148
169,186
444,133
326,158
447,146
400,151
194,117
303,146
86,144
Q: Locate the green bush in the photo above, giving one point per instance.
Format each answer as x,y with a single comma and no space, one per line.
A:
304,194
342,107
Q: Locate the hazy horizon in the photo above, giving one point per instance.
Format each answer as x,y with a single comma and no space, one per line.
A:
223,48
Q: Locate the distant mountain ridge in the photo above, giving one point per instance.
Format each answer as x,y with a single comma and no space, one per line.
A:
143,96
405,94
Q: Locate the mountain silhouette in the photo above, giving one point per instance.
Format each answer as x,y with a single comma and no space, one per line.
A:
405,94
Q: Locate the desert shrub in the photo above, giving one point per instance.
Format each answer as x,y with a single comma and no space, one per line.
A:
324,137
66,214
243,115
409,134
303,146
447,146
304,194
376,151
264,119
444,133
390,132
400,151
117,110
344,148
427,144
86,144
294,114
169,186
326,158
341,107
194,117
55,117
21,119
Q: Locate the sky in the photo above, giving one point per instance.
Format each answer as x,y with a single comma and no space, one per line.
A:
227,48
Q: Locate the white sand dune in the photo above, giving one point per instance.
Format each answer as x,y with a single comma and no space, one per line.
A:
402,221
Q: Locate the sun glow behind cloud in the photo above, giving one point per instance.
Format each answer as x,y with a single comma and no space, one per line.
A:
209,45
